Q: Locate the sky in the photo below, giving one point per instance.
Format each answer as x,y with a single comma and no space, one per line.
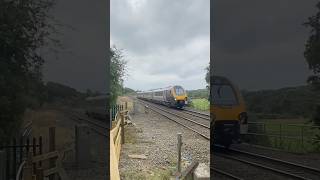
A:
257,44
164,42
260,44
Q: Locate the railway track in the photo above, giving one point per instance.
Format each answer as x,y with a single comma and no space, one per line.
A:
226,174
197,114
96,125
278,166
188,123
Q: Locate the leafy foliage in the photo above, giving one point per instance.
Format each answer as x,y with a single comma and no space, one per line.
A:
312,47
198,94
294,101
117,73
312,55
127,90
23,29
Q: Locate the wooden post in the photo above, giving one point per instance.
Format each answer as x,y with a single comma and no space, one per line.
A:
28,145
52,147
39,174
21,150
27,170
179,153
2,165
122,128
34,151
302,141
126,105
40,149
14,163
8,161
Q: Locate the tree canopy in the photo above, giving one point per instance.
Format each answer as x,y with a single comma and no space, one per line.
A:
117,73
24,28
312,47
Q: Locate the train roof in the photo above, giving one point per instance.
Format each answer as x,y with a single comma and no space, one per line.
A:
159,89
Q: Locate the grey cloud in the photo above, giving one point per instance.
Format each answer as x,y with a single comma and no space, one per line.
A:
260,44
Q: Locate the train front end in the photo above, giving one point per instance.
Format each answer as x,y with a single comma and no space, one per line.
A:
180,97
228,111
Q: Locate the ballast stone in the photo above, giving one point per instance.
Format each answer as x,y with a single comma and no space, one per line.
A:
202,172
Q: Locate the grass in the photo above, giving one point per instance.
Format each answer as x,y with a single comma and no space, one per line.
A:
155,174
293,135
200,104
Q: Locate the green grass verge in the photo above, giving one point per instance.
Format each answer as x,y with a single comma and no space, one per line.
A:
291,135
200,104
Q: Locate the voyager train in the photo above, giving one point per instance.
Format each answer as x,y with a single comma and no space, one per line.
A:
173,96
227,111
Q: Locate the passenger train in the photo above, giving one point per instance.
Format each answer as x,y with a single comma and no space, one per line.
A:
173,96
227,111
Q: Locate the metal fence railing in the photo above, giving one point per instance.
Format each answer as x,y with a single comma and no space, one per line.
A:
15,151
296,137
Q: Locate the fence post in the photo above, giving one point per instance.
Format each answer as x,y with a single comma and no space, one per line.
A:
126,105
83,145
34,151
39,174
8,155
110,113
302,141
122,128
2,165
27,170
280,135
21,150
14,163
40,149
179,153
52,147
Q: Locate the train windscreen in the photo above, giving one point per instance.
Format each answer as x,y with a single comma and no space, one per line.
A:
179,90
223,94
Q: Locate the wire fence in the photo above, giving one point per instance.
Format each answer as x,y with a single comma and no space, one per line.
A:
291,137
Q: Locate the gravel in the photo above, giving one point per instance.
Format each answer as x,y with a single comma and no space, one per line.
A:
156,138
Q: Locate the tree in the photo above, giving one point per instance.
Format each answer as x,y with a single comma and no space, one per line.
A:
118,72
24,28
312,55
312,47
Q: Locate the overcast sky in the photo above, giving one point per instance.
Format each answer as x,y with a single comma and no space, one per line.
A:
165,42
257,44
260,44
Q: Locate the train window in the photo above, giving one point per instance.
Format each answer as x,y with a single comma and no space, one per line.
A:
179,90
224,95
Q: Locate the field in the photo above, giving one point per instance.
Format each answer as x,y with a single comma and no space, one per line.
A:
293,135
200,104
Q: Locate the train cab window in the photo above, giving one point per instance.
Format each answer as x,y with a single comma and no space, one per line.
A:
179,91
224,95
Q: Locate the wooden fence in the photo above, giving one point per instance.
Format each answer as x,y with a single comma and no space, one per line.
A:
116,139
16,151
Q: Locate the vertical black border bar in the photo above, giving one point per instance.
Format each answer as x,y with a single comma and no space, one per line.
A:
108,59
210,86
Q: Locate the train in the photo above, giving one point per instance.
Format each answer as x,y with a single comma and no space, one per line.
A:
172,96
229,119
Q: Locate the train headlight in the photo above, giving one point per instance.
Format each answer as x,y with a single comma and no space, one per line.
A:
243,117
175,99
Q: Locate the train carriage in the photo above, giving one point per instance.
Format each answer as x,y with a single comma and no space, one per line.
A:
228,112
173,96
